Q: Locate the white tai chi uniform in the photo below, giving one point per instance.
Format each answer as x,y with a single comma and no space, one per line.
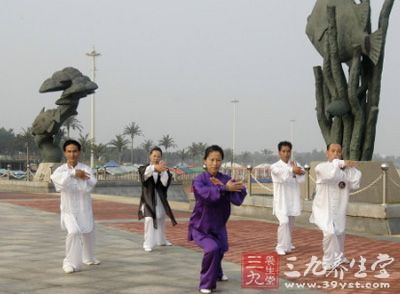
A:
286,201
76,214
154,236
329,206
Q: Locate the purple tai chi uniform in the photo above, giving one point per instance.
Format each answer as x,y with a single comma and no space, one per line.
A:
207,226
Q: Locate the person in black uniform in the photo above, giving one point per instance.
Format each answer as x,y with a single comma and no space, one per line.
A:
154,206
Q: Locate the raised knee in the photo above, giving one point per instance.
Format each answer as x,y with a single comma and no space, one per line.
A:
213,249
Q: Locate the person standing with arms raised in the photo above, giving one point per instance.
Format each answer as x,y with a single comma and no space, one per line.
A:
75,181
153,207
335,179
214,192
286,176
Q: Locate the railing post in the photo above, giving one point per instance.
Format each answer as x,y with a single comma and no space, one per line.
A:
8,171
307,169
249,169
385,168
28,173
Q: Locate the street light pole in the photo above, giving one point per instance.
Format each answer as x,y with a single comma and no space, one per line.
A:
234,102
93,54
292,121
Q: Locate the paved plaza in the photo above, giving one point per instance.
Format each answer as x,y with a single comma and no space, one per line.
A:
32,250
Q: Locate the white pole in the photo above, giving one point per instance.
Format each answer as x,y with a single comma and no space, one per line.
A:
292,121
92,54
235,102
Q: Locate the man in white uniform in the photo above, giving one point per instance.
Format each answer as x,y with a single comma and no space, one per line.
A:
75,181
286,176
335,179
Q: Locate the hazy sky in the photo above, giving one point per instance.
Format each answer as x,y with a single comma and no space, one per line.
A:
173,66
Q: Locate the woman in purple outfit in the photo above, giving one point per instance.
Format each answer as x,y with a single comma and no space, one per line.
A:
214,193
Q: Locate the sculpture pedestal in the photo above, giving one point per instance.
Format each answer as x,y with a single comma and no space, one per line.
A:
44,171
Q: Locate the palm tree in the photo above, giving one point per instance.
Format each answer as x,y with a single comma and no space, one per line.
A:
120,144
26,140
85,144
182,154
98,150
147,145
72,123
132,130
196,150
167,142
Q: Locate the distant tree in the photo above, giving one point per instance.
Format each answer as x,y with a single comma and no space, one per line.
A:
132,130
228,154
167,142
245,157
182,154
99,150
72,123
147,145
7,141
268,155
25,142
85,145
119,143
196,150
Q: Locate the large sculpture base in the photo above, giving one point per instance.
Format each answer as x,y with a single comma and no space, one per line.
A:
44,171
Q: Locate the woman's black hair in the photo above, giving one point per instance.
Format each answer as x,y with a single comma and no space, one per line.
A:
71,142
213,148
156,148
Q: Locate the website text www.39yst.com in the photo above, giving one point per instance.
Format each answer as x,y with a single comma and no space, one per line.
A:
337,285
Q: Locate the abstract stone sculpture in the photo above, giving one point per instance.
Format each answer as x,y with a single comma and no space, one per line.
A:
347,108
46,127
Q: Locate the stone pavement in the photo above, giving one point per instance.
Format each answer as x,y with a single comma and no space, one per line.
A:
32,248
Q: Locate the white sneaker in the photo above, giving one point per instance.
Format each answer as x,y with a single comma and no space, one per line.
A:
292,247
224,278
148,249
280,252
92,262
68,269
205,291
167,243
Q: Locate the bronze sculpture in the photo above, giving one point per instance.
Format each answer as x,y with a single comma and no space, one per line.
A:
46,126
347,108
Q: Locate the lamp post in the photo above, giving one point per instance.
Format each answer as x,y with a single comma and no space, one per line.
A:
307,169
292,121
93,54
8,171
385,168
234,102
249,169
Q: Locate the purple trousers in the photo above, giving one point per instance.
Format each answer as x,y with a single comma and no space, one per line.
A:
214,249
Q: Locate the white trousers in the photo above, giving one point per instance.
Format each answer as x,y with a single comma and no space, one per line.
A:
79,247
153,237
285,235
333,246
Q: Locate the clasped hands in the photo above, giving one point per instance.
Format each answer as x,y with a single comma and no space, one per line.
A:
349,164
160,167
81,174
297,170
231,185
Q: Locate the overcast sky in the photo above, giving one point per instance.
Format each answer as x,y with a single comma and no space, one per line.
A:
173,66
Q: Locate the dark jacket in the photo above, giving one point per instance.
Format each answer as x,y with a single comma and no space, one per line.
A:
148,197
